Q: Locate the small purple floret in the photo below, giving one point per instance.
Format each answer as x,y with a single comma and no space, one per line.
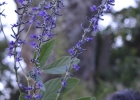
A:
33,44
33,36
71,51
39,85
76,67
93,8
28,96
64,83
89,39
95,27
42,13
108,8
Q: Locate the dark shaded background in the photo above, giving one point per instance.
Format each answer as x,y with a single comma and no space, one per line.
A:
104,67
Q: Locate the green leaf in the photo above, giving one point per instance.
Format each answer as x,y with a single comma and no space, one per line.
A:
54,85
86,98
22,96
59,66
46,51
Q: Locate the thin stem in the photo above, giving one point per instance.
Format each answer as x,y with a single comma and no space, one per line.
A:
1,26
28,83
23,70
26,36
15,68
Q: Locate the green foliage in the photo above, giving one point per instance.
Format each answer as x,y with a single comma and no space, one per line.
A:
54,85
128,70
46,51
3,66
103,88
86,98
79,91
22,96
59,66
123,69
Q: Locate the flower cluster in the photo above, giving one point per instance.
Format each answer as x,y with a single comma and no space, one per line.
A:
35,74
18,42
44,17
77,50
93,25
31,89
105,6
48,23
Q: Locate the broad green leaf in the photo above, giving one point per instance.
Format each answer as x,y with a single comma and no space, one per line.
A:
86,98
22,96
46,51
54,85
38,79
59,66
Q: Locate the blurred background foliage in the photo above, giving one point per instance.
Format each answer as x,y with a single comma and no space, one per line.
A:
105,67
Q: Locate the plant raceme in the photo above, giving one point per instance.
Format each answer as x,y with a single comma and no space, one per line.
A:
44,17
